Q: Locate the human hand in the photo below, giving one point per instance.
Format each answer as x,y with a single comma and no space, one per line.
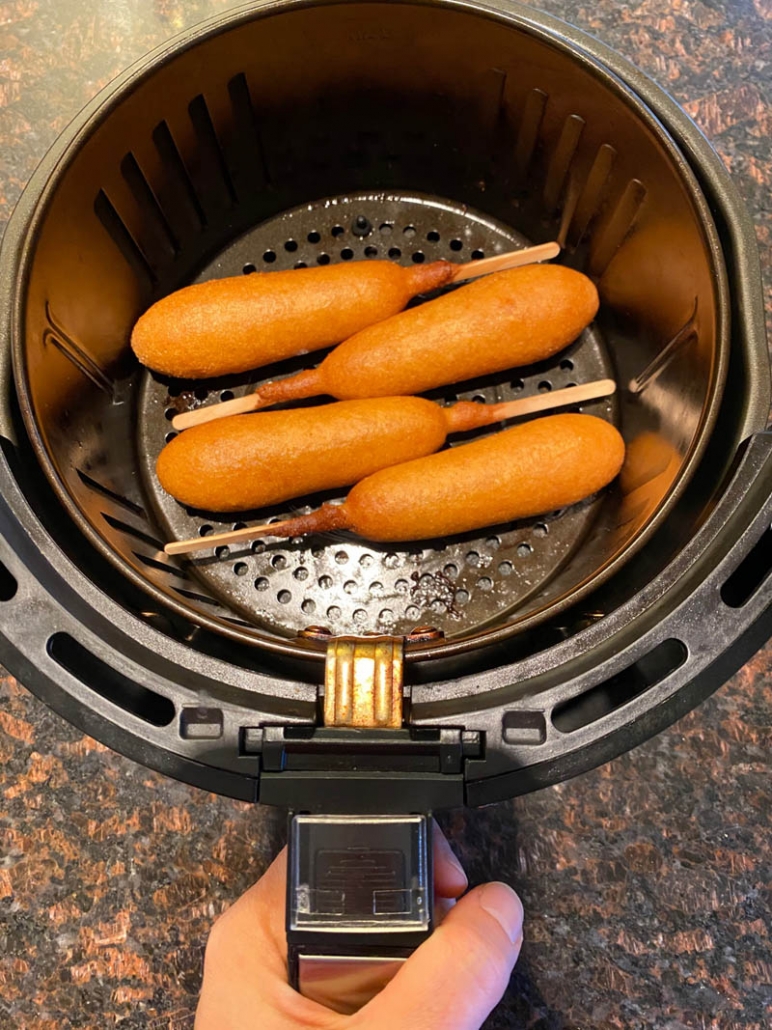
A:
451,982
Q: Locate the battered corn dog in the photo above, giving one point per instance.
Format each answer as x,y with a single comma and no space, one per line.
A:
239,323
246,462
531,469
508,319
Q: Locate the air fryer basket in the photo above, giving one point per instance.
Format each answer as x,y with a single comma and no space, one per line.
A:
499,137
314,132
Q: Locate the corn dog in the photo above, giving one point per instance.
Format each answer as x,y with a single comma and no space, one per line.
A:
525,471
239,323
508,319
253,461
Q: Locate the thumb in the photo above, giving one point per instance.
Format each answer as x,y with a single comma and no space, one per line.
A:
456,977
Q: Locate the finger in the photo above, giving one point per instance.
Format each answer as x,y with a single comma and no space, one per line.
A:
245,965
450,880
456,977
441,908
256,921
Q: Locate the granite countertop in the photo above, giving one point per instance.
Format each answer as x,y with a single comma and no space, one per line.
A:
647,883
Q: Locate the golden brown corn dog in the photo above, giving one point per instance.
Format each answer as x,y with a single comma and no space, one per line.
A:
508,319
252,461
235,324
525,471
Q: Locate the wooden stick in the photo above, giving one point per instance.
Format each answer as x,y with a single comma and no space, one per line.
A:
197,417
233,536
470,270
503,262
505,410
559,399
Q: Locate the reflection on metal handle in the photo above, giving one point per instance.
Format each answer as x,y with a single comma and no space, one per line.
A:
345,983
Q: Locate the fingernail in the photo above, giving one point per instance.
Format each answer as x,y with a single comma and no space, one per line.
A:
501,902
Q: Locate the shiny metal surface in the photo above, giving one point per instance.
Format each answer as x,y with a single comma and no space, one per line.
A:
345,983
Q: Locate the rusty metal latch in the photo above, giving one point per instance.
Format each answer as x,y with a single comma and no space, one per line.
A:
363,682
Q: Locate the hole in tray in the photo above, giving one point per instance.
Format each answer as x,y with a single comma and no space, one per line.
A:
241,568
387,229
106,681
8,584
314,237
338,230
323,259
567,365
291,246
395,253
419,257
749,574
371,252
433,236
249,269
269,257
456,245
347,253
300,264
478,255
545,386
409,231
622,688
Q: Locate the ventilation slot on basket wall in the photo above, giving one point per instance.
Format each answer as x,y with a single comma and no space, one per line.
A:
118,232
149,205
752,571
620,689
8,584
213,165
182,205
108,682
105,491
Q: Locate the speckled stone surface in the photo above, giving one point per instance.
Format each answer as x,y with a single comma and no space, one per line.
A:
647,883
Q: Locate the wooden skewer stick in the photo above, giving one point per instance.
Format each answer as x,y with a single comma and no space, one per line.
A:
470,270
503,262
506,410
